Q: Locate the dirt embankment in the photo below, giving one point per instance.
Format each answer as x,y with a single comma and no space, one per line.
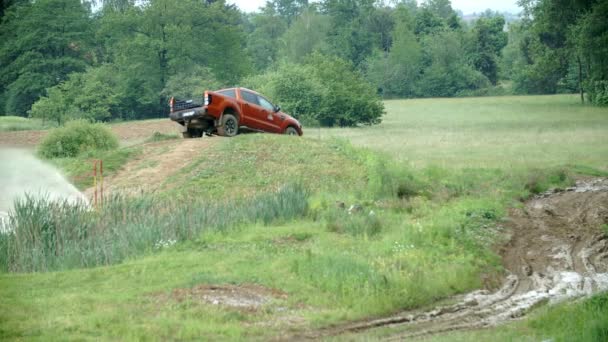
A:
158,161
134,131
556,252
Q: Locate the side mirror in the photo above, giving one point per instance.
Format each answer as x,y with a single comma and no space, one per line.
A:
277,109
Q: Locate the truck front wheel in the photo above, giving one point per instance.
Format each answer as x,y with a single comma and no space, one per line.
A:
229,126
291,131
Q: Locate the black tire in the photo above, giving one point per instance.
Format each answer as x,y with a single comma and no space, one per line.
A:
229,126
192,133
291,131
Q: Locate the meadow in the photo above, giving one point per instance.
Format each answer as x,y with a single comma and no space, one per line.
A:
487,132
434,183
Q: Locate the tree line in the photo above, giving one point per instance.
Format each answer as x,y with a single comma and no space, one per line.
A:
329,62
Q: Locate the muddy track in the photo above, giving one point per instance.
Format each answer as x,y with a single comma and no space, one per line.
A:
158,161
556,251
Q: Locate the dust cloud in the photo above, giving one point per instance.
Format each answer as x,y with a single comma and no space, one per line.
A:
21,172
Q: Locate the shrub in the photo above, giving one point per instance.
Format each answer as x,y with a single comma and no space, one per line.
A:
325,89
77,137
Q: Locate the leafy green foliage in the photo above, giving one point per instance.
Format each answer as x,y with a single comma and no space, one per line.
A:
42,43
448,72
92,95
77,137
489,39
325,89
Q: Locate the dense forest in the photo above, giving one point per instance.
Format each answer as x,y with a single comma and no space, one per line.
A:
328,62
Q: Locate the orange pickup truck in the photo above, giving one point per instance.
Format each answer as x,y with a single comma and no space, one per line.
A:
226,111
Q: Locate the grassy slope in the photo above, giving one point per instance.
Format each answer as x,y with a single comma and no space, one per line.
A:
333,269
252,163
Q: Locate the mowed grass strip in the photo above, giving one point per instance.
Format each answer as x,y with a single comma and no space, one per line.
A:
487,132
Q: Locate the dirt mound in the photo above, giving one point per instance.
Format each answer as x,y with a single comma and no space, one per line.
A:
134,131
556,252
248,297
149,170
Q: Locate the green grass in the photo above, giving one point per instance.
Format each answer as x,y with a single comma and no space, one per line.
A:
250,163
487,132
17,123
79,169
55,235
445,176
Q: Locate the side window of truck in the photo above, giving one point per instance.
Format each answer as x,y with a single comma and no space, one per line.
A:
250,97
266,104
228,92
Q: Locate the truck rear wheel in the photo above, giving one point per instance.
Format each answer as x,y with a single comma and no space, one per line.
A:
229,126
186,135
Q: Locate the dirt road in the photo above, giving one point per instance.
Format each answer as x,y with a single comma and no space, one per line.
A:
157,162
556,252
128,132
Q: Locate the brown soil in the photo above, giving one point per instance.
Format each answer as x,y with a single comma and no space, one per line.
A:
556,251
158,161
133,131
246,297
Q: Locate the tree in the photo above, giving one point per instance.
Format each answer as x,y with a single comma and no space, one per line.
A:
395,72
349,36
488,39
263,42
149,46
307,34
448,72
324,90
93,95
42,43
289,10
567,41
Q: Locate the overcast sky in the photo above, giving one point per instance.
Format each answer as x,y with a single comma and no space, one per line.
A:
466,6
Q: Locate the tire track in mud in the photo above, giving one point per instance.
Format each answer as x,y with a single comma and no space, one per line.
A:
159,160
556,252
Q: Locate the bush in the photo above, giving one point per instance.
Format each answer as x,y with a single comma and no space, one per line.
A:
77,137
325,89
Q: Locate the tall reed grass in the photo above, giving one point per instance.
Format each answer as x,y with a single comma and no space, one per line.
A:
50,235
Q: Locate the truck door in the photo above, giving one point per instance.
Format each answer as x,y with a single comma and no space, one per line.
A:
273,120
256,115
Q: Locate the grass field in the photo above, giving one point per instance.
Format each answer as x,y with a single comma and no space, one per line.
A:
489,132
438,175
17,123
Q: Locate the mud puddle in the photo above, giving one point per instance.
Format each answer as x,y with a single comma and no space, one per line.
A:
247,297
556,252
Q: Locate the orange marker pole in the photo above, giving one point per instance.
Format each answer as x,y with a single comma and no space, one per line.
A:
95,182
101,175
